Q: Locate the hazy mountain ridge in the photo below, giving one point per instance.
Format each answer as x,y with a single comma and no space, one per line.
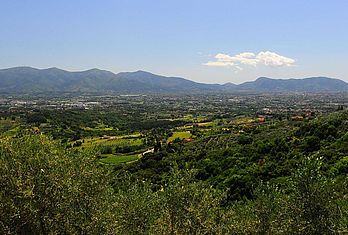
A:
20,80
306,84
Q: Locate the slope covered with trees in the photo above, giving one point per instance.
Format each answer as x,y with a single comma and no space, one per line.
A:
282,178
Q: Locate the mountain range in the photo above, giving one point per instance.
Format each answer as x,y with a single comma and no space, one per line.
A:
23,80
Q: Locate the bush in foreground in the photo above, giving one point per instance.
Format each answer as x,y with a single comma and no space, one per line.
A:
46,187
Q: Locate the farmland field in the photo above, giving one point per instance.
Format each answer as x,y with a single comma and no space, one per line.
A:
112,140
180,135
117,159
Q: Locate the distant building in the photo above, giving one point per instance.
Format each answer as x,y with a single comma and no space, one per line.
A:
296,118
261,119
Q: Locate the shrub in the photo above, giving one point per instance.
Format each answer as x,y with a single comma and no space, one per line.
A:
48,188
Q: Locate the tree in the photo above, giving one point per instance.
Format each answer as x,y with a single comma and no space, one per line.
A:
312,199
181,206
46,187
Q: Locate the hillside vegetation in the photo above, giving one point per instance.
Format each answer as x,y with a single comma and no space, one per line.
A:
283,178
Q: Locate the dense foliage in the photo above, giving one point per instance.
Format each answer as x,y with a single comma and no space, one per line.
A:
46,187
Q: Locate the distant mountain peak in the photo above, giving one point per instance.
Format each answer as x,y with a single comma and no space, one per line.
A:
144,72
54,69
95,70
137,74
21,68
229,85
264,79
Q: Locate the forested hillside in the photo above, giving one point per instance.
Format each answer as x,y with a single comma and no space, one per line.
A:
238,162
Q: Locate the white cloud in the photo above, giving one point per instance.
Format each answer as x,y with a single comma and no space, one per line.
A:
273,59
219,63
248,58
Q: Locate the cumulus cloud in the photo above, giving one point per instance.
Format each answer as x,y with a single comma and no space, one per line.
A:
219,63
248,58
273,59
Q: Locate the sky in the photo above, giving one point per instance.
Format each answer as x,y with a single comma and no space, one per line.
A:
204,41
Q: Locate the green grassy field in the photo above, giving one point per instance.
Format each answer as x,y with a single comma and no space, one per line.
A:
8,127
115,140
117,159
180,135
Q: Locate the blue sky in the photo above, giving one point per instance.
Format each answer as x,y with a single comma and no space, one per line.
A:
205,41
